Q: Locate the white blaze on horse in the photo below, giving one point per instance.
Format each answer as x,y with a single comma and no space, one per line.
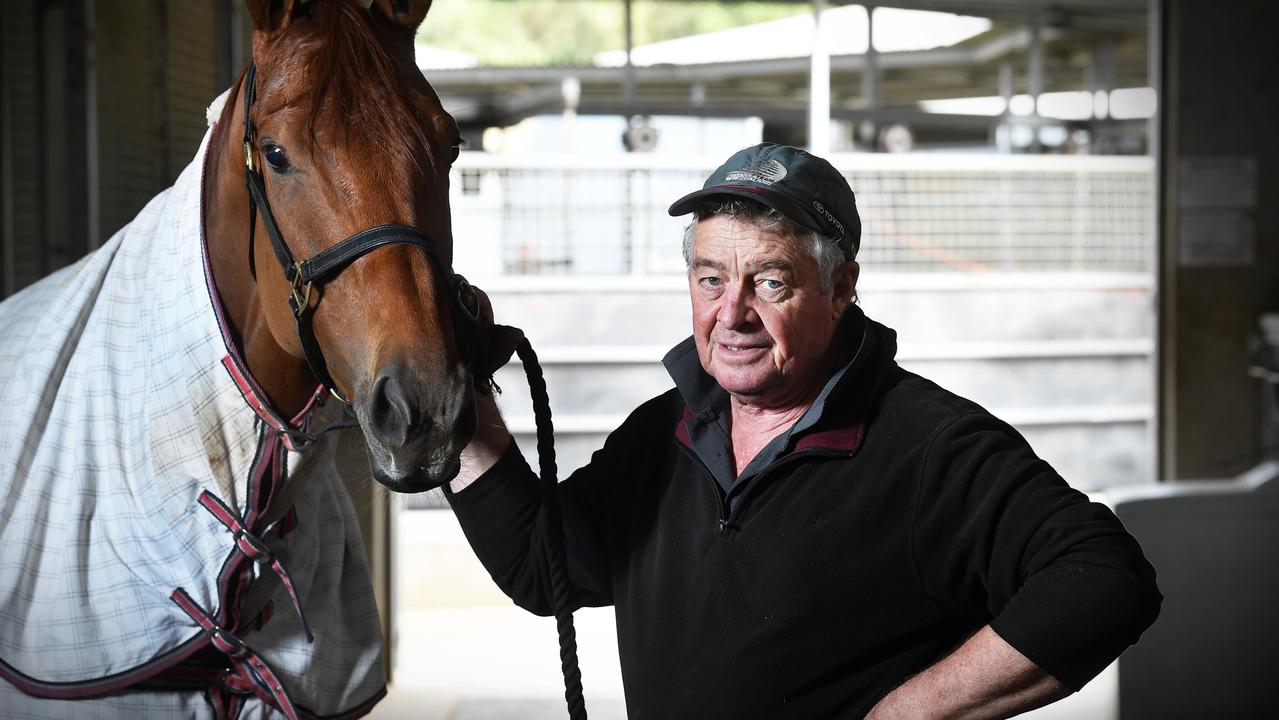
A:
175,536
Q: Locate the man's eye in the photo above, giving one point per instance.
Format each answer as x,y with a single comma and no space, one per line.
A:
773,284
710,282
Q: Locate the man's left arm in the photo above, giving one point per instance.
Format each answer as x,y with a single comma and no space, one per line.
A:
984,678
998,532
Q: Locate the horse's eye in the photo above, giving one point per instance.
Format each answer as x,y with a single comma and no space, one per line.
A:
456,151
276,157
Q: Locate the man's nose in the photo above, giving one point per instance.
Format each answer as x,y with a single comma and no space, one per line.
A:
733,307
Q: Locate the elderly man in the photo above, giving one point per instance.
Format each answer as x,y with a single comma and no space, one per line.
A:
800,528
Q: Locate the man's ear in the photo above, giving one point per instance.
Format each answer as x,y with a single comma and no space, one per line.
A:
844,287
406,13
272,16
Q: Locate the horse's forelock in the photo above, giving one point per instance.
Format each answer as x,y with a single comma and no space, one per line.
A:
354,78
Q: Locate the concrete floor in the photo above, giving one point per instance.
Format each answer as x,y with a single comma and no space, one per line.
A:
498,663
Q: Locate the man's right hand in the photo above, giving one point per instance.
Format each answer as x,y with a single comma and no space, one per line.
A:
497,342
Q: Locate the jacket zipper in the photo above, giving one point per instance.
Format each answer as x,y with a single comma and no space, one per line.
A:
777,464
726,516
722,520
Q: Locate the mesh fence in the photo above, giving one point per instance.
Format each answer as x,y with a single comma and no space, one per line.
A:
949,214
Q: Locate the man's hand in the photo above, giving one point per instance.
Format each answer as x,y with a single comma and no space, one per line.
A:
497,342
984,678
491,438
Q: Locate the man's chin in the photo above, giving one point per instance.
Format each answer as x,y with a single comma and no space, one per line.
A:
742,383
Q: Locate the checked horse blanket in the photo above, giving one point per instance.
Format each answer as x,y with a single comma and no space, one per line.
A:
168,542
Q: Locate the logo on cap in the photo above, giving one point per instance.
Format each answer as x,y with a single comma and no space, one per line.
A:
829,217
764,173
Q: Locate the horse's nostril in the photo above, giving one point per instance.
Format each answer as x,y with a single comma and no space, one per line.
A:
390,412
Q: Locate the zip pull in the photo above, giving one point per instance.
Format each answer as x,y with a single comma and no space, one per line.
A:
723,526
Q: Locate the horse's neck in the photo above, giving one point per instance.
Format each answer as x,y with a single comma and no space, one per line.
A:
285,379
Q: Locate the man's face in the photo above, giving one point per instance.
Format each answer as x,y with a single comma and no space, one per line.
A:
761,324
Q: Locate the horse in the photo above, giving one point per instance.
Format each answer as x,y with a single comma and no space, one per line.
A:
175,535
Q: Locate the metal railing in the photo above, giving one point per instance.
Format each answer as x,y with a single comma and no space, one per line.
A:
921,213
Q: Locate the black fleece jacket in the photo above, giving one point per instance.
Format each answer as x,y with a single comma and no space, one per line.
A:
881,537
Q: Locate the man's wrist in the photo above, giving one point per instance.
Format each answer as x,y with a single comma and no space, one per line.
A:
489,443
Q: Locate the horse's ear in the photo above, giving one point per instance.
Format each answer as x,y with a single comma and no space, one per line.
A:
407,13
271,16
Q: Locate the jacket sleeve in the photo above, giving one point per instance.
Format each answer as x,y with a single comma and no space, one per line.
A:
998,533
501,515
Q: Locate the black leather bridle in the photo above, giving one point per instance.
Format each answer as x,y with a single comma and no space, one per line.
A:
303,275
325,265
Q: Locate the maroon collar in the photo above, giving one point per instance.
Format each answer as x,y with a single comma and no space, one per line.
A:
842,438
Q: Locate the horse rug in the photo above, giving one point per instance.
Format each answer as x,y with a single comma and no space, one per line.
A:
168,542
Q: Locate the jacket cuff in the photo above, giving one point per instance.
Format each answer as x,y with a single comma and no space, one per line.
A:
510,467
1074,621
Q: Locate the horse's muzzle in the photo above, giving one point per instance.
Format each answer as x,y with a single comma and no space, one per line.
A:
421,480
416,430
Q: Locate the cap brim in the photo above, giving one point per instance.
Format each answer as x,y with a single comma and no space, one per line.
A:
774,200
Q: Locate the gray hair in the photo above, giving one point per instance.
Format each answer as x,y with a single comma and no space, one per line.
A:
825,250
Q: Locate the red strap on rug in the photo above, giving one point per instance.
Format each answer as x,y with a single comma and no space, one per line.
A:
247,663
253,548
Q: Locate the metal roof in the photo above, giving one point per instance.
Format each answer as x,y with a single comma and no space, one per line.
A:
1085,42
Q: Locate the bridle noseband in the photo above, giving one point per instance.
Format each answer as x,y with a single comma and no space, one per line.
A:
303,275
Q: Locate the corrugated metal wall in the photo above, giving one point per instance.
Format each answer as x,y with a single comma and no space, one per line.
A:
191,61
157,71
24,138
104,105
132,165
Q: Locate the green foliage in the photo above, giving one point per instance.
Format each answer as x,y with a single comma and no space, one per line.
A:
571,32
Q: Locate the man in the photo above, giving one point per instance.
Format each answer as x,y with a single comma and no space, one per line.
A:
800,528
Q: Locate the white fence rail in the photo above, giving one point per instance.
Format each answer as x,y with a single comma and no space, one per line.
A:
560,215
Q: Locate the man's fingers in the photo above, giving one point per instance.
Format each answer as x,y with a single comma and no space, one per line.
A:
498,342
485,306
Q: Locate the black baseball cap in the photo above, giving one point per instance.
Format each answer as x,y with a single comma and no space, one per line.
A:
799,185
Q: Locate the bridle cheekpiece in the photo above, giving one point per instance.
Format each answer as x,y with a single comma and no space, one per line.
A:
304,275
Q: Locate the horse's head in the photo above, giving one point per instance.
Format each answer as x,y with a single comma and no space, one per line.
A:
347,135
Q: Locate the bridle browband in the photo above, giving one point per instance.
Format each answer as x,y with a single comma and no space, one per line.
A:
303,275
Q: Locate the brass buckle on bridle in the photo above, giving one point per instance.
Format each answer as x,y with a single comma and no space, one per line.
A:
248,156
299,293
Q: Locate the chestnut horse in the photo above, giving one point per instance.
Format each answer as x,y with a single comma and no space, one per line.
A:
349,136
163,450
